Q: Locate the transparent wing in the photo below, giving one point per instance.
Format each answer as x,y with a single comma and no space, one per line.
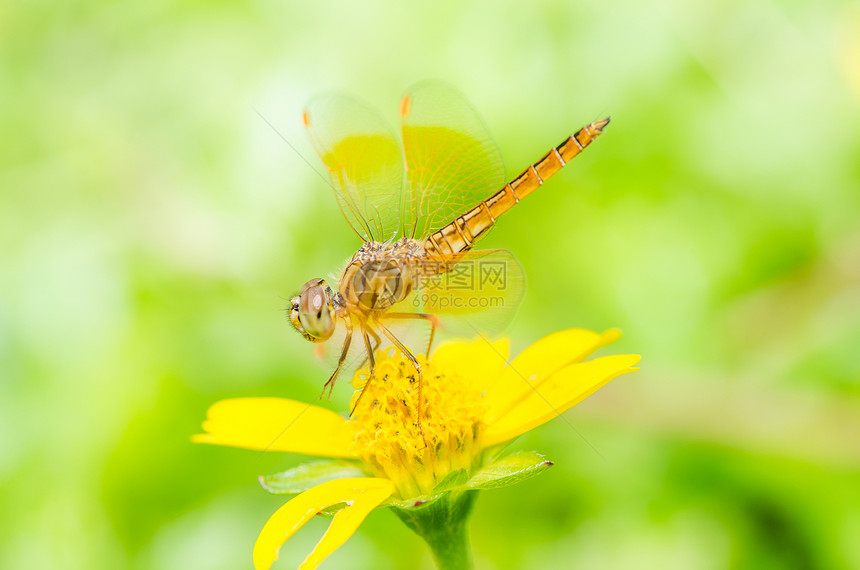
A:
364,161
478,293
452,162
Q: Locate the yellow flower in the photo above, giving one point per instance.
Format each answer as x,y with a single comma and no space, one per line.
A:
474,402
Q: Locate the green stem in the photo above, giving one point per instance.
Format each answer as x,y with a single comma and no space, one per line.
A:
443,526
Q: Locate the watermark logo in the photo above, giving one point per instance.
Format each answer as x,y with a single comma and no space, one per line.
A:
464,286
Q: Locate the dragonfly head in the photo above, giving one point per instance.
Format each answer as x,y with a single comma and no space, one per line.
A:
312,311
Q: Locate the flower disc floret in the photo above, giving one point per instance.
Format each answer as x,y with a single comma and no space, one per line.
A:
388,437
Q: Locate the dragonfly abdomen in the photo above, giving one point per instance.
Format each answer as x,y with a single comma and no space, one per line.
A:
465,230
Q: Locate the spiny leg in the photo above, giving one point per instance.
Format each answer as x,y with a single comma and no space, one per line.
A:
344,351
402,347
376,341
434,322
369,350
364,330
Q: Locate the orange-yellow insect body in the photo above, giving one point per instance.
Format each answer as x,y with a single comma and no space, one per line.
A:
419,207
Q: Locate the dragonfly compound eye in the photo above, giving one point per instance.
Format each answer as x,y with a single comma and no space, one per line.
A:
312,312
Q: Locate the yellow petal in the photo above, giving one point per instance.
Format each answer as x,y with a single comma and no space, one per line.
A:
277,424
565,388
481,361
538,362
362,495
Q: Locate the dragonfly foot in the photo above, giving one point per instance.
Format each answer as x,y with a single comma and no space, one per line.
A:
329,384
360,394
421,430
420,403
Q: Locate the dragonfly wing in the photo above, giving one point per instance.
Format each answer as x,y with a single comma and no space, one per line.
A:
364,161
452,162
476,294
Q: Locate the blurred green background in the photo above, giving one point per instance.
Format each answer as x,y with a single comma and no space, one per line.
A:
152,226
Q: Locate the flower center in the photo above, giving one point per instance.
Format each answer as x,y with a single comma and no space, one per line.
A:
389,439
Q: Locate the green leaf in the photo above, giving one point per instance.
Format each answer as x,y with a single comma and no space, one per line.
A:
455,480
510,470
412,502
303,477
332,510
452,480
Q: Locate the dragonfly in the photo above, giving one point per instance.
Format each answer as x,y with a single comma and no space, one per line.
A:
419,203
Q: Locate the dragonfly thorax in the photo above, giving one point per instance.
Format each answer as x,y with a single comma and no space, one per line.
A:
380,275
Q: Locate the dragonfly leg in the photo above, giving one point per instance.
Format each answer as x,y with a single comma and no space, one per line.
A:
402,347
370,358
376,341
433,319
344,351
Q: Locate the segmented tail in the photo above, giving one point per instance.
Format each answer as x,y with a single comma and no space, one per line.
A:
459,235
